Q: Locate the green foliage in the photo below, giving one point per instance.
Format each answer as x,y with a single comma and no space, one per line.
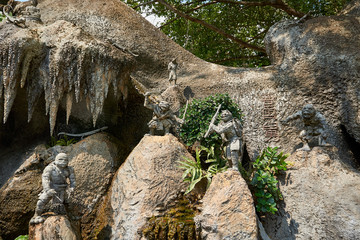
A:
2,17
65,141
22,237
193,170
248,23
198,118
266,166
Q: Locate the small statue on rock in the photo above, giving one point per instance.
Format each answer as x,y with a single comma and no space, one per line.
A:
172,66
163,117
54,182
314,124
230,129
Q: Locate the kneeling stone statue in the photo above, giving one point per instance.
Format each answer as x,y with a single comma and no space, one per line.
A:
54,182
314,126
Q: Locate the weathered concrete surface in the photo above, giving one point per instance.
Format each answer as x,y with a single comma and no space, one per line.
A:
228,210
54,228
148,179
321,199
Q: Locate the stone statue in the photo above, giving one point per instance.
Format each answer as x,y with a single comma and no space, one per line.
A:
172,68
55,184
230,129
163,117
314,124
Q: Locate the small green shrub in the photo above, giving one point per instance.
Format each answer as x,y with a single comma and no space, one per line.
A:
2,17
22,237
199,115
194,171
65,141
264,182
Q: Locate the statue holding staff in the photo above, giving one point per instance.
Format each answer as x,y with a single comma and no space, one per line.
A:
230,130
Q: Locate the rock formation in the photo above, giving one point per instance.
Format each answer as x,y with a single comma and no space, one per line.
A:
94,161
54,227
320,199
149,180
228,209
42,71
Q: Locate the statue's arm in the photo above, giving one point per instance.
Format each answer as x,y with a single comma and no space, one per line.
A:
147,103
292,117
46,178
72,177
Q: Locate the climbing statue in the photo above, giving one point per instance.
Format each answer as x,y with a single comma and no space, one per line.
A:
54,182
230,129
172,68
314,124
163,117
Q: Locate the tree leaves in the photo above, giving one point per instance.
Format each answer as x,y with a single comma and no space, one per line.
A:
247,21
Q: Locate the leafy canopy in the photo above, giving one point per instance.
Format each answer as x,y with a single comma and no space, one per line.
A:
229,32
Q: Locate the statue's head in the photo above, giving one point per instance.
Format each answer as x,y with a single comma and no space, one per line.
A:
164,105
308,111
226,115
61,160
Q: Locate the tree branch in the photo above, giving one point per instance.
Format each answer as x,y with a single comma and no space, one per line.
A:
236,58
279,4
212,27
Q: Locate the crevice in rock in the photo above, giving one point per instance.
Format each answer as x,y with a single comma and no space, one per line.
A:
354,146
245,162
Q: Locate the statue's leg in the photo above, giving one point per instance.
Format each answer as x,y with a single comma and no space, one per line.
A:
235,160
304,138
40,206
167,130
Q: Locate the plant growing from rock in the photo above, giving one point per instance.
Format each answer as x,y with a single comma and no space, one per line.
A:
198,117
264,182
194,171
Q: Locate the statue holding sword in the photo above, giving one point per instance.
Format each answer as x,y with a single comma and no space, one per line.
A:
230,129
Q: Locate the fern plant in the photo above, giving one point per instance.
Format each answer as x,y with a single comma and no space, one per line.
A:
265,184
193,170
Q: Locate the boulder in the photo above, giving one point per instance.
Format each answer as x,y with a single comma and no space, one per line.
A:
54,228
148,180
228,209
320,199
94,160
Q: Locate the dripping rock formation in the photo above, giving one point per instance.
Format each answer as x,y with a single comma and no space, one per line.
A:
77,67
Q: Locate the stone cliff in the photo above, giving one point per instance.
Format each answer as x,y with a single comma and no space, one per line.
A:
79,67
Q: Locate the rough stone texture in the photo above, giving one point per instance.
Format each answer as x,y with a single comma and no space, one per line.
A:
18,199
94,160
54,228
147,180
228,209
321,199
61,61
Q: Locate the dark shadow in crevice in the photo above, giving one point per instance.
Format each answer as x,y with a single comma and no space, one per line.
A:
245,162
354,146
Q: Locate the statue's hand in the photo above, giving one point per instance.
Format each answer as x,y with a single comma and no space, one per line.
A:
51,192
284,122
70,191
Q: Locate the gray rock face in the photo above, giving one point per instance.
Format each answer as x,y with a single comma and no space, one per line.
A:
321,199
228,209
147,180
